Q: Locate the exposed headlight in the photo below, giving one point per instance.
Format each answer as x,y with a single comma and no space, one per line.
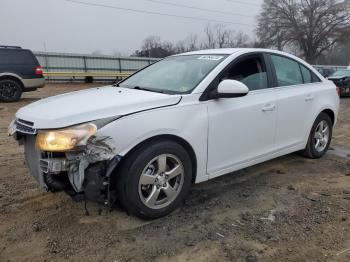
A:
65,139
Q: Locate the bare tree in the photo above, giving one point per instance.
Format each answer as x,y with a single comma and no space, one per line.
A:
150,44
192,42
188,44
154,47
215,36
339,55
239,39
210,41
222,35
314,26
180,47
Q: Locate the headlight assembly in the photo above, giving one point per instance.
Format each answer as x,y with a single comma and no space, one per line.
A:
66,139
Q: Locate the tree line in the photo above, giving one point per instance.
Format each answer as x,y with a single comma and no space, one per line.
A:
214,36
316,30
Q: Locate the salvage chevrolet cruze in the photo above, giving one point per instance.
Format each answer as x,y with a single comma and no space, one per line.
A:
185,119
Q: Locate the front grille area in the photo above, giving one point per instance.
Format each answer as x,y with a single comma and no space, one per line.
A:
25,127
25,122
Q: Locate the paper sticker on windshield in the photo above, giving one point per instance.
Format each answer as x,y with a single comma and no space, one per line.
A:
210,57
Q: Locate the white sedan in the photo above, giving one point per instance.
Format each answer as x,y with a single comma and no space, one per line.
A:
185,119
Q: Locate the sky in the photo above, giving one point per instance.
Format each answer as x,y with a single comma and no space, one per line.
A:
64,26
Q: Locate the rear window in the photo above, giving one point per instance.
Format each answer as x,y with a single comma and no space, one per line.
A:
306,74
16,57
287,71
309,77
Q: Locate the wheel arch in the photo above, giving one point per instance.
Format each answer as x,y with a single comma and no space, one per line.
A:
169,137
327,110
330,113
12,77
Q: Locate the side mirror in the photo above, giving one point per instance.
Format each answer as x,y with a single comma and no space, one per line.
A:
231,88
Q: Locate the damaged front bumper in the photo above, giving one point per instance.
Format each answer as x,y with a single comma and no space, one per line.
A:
85,171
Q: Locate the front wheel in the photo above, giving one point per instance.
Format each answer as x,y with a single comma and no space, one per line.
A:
154,179
320,137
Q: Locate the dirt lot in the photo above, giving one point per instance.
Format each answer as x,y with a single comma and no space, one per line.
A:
288,209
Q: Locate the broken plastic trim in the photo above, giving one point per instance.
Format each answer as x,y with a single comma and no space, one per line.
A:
111,167
97,149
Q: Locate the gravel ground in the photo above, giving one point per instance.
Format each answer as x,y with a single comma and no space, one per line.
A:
287,209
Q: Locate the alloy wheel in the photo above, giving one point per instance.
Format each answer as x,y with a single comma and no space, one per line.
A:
161,181
321,136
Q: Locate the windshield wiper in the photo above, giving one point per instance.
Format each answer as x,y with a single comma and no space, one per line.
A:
148,89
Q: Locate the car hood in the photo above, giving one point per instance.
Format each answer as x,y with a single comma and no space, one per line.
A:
91,104
337,77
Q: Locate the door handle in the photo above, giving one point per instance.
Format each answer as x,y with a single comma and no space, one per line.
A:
268,107
309,98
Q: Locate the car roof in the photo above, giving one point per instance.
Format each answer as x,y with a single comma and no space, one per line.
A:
230,51
223,51
13,50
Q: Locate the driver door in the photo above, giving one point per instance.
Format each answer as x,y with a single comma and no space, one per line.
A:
242,130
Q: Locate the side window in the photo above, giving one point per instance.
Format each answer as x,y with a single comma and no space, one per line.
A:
309,76
16,57
287,71
251,71
306,75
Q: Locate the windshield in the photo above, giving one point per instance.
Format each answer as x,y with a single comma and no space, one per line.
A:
174,75
341,73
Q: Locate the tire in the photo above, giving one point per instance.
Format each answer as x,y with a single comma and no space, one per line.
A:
10,90
142,187
314,150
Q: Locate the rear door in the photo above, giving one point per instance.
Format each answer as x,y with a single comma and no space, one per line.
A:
296,90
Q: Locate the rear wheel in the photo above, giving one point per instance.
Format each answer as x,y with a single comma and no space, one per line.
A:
320,137
10,90
154,179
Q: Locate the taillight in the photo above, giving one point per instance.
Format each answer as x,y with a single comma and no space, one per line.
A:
39,71
338,90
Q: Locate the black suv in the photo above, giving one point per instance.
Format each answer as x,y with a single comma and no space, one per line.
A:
20,72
